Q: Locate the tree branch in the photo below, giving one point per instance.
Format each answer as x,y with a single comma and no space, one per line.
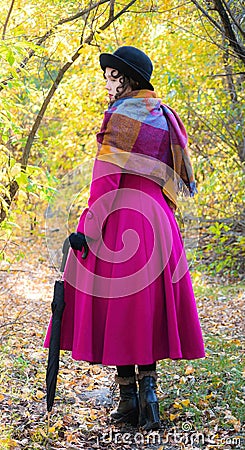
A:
112,5
61,73
202,38
156,11
225,74
229,33
7,19
82,13
112,19
210,18
234,19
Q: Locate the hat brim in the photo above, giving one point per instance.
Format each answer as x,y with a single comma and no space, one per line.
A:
115,62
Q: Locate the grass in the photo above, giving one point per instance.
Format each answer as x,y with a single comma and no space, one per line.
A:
212,386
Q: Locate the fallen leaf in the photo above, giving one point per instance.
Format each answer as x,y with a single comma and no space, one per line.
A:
189,370
39,395
173,417
235,341
177,405
207,397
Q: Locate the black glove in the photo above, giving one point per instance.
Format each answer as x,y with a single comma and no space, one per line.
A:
78,242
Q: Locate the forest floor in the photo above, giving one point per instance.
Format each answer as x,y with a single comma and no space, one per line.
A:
201,401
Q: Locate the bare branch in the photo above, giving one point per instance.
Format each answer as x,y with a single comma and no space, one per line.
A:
84,28
7,19
202,38
112,5
234,19
229,33
213,130
82,13
210,18
157,11
110,20
214,41
225,74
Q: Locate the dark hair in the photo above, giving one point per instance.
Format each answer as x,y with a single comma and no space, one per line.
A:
125,83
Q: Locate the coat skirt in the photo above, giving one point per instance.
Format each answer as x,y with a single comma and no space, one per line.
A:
131,300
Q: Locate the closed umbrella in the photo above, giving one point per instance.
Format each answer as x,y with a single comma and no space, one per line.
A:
58,306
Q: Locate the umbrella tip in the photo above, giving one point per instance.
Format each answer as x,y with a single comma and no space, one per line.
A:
49,415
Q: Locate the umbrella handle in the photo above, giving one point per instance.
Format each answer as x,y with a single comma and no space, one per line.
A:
65,251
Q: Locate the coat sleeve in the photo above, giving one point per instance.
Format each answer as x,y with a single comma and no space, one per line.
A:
103,189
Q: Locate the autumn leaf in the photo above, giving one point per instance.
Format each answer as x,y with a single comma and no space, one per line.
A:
189,370
236,342
185,402
172,417
211,395
39,395
177,405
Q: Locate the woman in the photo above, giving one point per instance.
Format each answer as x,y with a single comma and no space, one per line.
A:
128,292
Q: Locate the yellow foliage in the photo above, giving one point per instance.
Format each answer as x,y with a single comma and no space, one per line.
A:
186,63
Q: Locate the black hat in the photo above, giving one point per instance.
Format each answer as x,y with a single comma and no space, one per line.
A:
131,62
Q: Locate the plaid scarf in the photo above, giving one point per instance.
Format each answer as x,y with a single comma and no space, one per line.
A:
142,135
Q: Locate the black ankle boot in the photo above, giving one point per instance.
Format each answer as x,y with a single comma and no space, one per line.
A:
128,408
148,403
